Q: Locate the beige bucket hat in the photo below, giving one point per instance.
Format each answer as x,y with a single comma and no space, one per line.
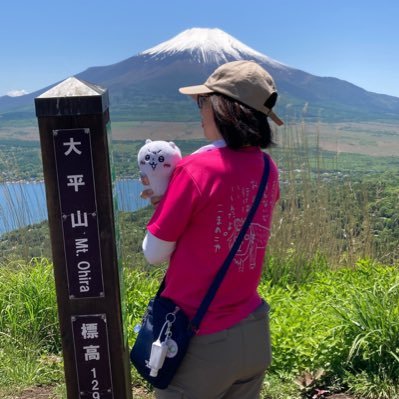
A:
245,81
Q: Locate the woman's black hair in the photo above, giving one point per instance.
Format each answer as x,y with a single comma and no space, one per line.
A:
239,124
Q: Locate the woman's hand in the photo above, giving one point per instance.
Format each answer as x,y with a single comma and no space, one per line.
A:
144,179
148,193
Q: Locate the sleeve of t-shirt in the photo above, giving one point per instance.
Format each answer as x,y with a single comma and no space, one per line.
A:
173,213
155,250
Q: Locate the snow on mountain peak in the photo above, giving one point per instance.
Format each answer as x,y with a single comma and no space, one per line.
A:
208,45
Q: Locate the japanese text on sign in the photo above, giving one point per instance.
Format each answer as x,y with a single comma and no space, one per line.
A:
76,187
91,346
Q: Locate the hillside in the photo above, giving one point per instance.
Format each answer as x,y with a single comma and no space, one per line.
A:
144,86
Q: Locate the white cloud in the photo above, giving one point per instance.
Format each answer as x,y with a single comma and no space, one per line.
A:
17,93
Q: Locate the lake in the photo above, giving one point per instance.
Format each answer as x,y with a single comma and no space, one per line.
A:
24,203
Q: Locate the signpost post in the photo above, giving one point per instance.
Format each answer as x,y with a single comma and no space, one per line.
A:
74,122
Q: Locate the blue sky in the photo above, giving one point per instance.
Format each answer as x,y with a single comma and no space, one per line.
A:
45,41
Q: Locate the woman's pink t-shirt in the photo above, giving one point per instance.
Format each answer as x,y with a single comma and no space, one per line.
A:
203,210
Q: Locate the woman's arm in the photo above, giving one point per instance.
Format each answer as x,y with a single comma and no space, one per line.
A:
157,250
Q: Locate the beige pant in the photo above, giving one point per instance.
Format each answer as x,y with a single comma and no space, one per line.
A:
229,364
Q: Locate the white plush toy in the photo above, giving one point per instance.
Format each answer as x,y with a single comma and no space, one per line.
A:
157,160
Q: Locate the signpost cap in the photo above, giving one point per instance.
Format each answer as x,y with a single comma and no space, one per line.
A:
72,97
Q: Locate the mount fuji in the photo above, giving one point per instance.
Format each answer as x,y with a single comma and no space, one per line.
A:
144,86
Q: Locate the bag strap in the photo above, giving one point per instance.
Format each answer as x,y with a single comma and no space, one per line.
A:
195,322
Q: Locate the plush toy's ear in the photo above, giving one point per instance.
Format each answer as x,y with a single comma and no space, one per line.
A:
148,141
172,144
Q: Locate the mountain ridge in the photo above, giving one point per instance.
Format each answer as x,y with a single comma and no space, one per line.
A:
144,86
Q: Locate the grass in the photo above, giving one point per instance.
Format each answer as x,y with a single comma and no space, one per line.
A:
30,341
343,322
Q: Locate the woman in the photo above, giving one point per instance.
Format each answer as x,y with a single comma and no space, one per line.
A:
196,223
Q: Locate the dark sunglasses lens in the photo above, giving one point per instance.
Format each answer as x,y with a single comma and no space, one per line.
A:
200,101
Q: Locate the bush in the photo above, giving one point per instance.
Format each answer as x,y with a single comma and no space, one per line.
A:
344,322
29,334
336,330
28,310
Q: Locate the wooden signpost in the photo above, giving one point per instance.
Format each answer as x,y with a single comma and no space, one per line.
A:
74,128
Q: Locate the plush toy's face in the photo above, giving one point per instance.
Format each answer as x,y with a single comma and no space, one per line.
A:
158,157
153,158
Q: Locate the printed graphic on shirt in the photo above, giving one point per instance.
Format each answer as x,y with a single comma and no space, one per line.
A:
230,218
